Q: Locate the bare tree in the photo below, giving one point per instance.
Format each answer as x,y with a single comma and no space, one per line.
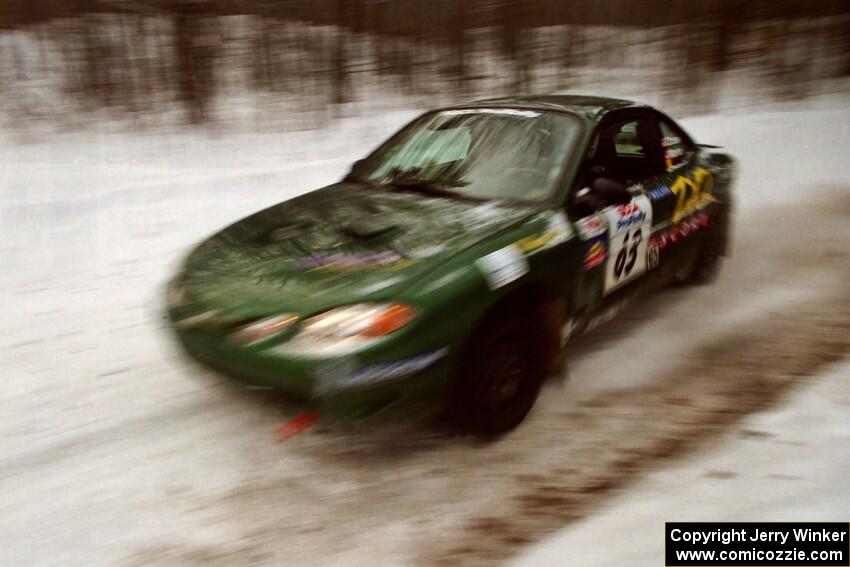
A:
193,48
340,59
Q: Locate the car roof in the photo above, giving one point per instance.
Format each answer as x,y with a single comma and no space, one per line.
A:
590,107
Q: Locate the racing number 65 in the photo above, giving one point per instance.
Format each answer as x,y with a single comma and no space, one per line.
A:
628,254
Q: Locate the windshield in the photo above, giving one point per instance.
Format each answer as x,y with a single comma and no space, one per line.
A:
502,154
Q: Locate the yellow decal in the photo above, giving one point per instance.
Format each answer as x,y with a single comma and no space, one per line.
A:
557,231
692,194
531,243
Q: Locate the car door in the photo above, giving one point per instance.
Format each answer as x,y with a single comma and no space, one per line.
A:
615,233
626,146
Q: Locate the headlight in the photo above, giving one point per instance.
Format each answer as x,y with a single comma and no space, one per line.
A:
347,328
263,329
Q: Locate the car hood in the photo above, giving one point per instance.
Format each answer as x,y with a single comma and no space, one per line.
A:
342,244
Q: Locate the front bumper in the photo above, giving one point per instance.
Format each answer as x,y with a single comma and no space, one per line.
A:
387,380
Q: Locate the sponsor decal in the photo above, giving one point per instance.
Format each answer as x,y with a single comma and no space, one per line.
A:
626,210
634,218
692,194
592,231
659,193
535,242
595,252
665,238
591,226
652,254
557,230
376,373
503,266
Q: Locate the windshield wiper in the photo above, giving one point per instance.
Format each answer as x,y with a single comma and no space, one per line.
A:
420,186
404,184
429,188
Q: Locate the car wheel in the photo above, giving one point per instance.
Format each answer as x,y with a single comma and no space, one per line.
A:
703,265
503,373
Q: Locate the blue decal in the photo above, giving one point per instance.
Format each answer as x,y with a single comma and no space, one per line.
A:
634,218
660,193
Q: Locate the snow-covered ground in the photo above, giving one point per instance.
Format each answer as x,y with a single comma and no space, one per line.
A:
117,451
789,463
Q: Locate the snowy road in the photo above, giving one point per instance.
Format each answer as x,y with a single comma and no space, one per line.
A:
116,451
776,466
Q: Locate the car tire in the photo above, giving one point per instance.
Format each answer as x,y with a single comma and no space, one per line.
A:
503,372
703,266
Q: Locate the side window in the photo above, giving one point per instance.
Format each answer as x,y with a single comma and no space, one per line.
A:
675,147
627,143
624,151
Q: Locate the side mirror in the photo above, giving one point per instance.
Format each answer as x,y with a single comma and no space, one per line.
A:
352,175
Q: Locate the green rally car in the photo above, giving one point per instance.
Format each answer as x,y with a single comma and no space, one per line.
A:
453,263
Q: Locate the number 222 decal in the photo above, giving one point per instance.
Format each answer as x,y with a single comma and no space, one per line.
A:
628,229
692,195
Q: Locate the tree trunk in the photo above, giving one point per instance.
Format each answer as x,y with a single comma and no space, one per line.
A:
340,61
